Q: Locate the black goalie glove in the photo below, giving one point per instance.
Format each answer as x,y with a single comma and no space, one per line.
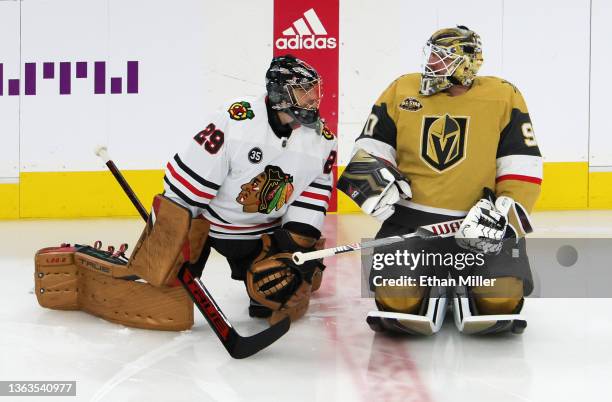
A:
484,228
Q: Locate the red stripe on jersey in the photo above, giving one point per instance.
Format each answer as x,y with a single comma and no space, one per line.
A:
529,179
188,185
315,196
245,227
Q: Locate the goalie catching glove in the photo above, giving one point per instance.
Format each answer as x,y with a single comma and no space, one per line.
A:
484,228
276,282
374,184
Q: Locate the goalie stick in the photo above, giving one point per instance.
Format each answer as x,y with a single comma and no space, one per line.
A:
436,230
236,345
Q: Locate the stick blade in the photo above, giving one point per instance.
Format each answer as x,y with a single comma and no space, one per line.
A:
240,347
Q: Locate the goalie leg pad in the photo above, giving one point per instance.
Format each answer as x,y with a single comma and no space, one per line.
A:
502,298
400,299
76,278
169,239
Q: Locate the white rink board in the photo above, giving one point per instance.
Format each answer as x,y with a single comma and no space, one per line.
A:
9,105
193,57
600,149
546,54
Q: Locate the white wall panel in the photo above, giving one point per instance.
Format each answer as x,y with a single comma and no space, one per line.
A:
58,132
193,55
9,105
601,85
546,54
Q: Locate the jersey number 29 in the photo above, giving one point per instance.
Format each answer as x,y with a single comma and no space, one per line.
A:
210,138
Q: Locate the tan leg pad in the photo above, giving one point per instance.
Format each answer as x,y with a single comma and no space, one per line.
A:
501,298
400,299
70,280
166,244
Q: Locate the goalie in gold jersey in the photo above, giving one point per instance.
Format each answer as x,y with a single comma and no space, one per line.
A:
431,144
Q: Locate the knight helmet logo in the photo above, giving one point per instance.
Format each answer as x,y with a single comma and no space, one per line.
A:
306,33
443,141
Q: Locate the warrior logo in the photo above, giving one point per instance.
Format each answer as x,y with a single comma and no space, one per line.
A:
443,141
240,111
268,191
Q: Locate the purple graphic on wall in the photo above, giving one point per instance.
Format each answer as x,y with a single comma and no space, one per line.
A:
117,84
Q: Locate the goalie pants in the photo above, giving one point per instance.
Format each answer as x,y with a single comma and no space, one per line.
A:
440,258
239,254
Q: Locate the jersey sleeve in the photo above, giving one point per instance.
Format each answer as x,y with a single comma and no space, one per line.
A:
519,164
310,207
193,176
379,134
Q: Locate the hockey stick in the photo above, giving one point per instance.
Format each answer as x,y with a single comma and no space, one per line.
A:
436,230
237,346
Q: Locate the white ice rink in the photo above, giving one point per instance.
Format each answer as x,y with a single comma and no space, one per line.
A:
565,353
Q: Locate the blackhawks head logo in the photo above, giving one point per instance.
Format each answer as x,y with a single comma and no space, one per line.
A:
443,141
266,192
240,111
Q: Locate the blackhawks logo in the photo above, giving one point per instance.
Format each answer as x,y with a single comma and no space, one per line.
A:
240,111
267,192
327,133
443,141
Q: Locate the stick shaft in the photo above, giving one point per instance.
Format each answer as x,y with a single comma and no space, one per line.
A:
438,230
127,189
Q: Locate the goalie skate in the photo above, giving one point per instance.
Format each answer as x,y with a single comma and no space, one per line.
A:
483,324
413,324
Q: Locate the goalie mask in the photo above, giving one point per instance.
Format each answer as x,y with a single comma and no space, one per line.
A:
452,56
294,87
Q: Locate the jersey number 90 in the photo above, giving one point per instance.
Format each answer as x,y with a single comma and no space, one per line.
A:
211,138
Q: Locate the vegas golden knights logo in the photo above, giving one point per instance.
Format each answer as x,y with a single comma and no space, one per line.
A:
443,141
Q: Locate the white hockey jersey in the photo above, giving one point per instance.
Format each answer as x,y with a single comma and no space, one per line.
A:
246,180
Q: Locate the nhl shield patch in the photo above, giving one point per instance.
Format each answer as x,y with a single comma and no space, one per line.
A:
443,141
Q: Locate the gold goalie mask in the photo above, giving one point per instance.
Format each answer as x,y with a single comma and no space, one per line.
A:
452,56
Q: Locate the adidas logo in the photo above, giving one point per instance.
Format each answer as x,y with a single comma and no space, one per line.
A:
306,34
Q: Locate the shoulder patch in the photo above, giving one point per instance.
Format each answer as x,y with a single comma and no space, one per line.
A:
411,105
240,111
327,133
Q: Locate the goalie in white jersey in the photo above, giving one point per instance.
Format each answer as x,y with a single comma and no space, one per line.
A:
256,182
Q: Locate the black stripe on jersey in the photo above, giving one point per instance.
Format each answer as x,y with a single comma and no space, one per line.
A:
512,140
272,229
309,206
321,186
384,130
215,215
183,196
303,229
194,175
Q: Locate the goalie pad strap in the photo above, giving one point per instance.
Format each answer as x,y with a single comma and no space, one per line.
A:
75,278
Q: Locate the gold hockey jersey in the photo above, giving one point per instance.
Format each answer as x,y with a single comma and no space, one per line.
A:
450,148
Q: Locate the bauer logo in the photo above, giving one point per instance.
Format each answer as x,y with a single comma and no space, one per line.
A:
306,32
67,73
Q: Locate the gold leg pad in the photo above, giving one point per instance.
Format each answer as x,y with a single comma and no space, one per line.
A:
400,299
501,298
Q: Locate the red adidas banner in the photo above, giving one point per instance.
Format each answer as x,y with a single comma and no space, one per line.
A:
309,30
